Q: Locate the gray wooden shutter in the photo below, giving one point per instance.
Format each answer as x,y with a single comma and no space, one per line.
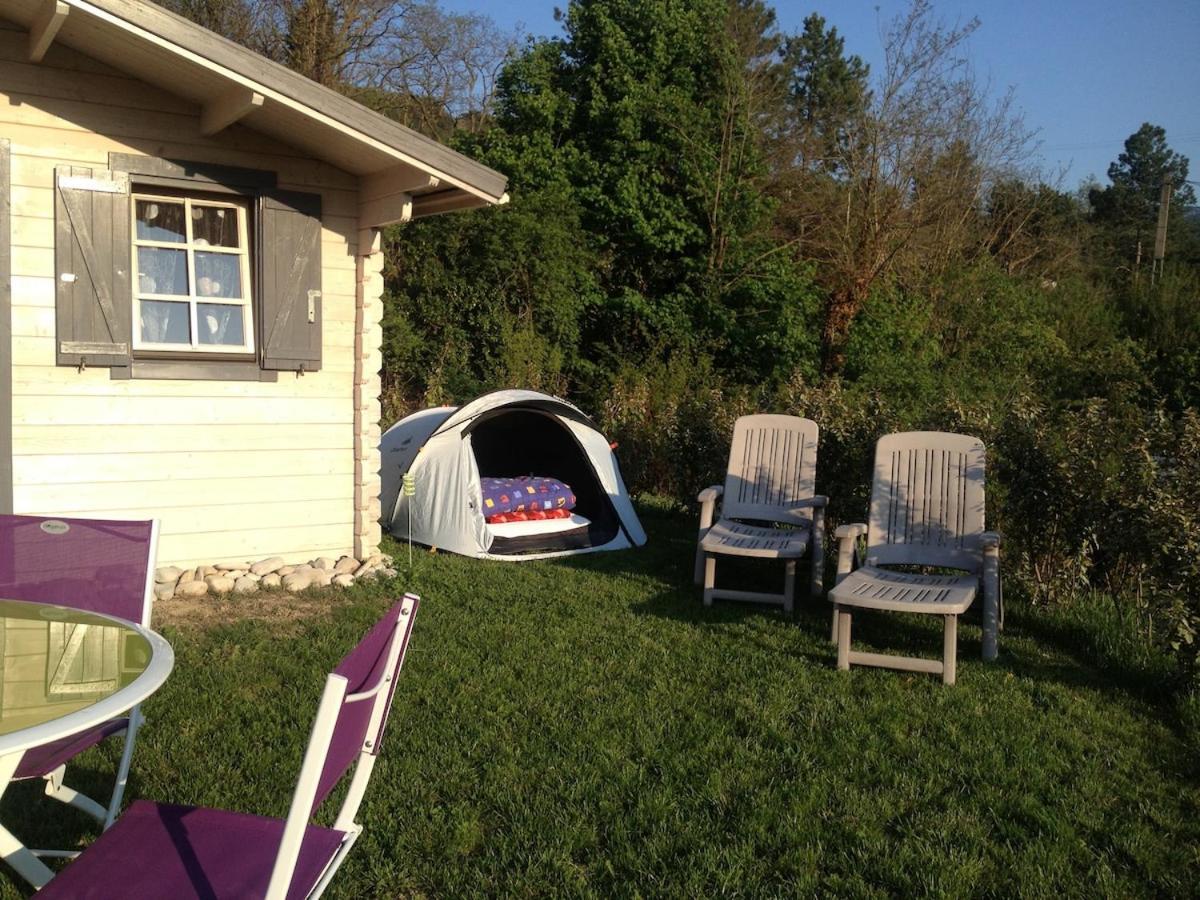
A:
290,280
92,261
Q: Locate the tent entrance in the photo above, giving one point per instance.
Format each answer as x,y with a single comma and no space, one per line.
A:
512,442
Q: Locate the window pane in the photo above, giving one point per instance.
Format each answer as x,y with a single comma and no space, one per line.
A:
214,226
165,323
159,221
220,323
162,271
218,274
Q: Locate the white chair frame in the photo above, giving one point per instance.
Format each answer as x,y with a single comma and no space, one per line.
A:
300,812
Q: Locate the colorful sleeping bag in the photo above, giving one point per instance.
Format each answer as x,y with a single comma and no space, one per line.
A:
528,493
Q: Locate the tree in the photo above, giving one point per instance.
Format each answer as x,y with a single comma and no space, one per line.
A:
1127,209
912,173
827,92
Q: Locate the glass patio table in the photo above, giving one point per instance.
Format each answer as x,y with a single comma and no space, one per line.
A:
63,671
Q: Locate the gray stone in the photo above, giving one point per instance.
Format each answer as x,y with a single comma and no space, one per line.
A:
285,571
188,575
364,571
321,577
343,581
167,574
245,585
232,567
297,582
266,566
324,562
270,580
346,564
219,584
164,591
252,577
235,574
388,572
191,589
205,571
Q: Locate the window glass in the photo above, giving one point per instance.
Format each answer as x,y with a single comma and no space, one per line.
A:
219,324
162,271
218,274
164,322
214,226
158,220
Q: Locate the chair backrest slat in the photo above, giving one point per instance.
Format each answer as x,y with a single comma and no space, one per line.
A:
98,565
772,464
927,500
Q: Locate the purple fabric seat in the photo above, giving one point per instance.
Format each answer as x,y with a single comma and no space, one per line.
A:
177,852
41,761
157,851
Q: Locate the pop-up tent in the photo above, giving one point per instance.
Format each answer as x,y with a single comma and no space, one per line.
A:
453,453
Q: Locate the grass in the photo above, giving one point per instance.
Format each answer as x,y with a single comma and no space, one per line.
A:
587,728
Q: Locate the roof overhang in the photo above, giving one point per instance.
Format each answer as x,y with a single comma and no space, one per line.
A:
403,174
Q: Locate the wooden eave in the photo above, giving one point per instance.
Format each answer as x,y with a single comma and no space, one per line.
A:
397,166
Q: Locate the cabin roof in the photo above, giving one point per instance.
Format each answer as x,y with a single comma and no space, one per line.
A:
234,84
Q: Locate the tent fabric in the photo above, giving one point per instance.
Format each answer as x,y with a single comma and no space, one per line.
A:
448,450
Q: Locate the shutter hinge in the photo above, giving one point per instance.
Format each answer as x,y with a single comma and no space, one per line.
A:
82,364
313,296
300,371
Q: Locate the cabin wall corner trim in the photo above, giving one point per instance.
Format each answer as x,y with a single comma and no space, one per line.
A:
6,354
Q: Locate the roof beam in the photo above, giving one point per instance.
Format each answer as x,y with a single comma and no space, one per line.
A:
385,211
396,180
221,112
50,17
448,201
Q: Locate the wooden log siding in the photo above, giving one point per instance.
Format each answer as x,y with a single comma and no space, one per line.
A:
235,469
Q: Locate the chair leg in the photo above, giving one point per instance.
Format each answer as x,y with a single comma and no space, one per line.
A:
789,586
710,577
114,803
991,606
950,650
60,792
817,574
698,568
843,637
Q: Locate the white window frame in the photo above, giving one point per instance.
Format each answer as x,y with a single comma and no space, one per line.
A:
242,209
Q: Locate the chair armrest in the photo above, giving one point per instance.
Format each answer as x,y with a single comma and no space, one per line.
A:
990,540
848,536
708,502
816,501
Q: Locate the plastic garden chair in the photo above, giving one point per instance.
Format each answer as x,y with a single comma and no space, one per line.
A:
96,565
768,508
927,506
158,850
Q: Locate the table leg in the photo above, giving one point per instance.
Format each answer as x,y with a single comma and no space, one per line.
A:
12,851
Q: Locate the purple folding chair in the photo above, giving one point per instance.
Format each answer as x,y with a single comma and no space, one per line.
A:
96,565
158,850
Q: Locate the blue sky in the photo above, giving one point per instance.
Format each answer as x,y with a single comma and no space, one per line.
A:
1086,73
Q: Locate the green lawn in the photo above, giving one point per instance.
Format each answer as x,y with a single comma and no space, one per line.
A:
588,728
